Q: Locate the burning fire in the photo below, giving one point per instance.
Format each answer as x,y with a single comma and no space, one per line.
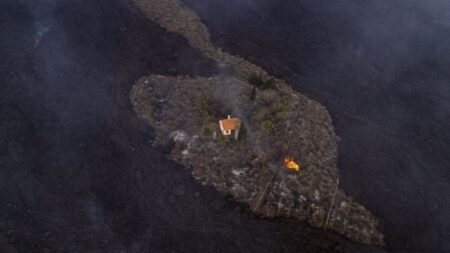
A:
290,163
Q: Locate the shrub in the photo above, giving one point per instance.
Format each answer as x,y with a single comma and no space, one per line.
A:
281,112
217,109
242,132
222,139
267,97
202,104
259,82
206,131
209,128
289,100
267,126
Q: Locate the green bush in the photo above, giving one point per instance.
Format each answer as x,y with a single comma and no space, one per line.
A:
209,129
242,133
202,105
288,100
222,139
259,82
267,97
281,112
267,126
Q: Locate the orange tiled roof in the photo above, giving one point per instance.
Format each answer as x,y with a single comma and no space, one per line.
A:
230,124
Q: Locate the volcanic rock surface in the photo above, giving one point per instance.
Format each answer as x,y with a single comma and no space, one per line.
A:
78,172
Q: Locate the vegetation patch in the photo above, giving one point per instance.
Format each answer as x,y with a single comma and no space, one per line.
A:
260,82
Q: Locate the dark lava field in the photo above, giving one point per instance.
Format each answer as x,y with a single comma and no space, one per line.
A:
79,173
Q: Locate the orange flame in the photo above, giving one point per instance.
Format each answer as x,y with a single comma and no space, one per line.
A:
290,163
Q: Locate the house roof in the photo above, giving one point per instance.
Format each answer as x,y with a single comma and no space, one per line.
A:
230,124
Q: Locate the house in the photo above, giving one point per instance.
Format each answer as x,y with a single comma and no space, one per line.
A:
230,125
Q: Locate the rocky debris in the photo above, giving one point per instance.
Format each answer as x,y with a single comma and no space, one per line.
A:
185,112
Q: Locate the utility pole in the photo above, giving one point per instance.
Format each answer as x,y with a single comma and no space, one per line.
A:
331,206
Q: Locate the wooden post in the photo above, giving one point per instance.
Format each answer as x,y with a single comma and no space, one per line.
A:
331,206
263,194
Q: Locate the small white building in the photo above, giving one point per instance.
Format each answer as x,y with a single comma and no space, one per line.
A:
230,125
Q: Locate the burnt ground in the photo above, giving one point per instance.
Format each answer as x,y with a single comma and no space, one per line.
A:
382,69
78,172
